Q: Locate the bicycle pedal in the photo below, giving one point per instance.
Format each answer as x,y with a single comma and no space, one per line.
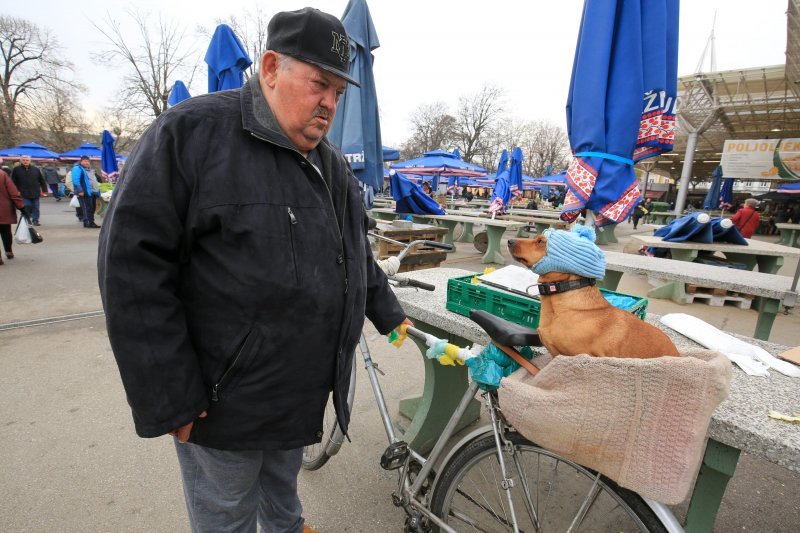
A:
394,456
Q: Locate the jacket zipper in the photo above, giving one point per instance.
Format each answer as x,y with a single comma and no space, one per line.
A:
292,222
330,197
215,388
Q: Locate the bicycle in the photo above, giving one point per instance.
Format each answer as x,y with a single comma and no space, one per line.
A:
494,479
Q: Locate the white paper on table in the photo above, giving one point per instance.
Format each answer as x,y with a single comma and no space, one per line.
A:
514,278
754,360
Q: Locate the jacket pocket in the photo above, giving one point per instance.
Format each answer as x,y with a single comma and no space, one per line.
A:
237,363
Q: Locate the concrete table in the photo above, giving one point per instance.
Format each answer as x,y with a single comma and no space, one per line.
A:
663,217
494,232
772,290
767,256
740,423
789,234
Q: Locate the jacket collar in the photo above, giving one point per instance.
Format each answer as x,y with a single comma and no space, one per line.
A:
258,119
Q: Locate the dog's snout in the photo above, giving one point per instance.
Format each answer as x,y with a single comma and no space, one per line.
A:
511,242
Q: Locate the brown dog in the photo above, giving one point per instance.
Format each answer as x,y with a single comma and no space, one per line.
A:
582,321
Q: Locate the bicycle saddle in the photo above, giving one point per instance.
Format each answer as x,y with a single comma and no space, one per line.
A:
504,332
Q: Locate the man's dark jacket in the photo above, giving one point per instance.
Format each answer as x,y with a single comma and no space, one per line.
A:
235,279
29,181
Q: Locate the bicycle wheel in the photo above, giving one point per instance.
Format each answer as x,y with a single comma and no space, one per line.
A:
316,455
469,496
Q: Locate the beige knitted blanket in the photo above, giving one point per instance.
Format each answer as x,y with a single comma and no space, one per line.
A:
641,422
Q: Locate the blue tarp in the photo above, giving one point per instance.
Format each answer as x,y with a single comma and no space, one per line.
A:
789,188
108,159
356,127
410,198
178,94
227,60
624,76
722,234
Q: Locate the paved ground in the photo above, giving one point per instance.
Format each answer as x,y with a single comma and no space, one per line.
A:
71,461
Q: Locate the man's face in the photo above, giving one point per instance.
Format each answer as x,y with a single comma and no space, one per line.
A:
304,100
25,160
85,163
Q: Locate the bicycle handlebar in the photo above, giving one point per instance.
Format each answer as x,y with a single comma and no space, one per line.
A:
436,244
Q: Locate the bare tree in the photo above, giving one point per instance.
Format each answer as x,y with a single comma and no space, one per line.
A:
57,117
251,28
152,64
478,119
544,146
31,64
434,128
126,127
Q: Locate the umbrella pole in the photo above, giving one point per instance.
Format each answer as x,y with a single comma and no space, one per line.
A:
589,220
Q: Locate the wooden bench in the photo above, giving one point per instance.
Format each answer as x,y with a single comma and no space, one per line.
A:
772,290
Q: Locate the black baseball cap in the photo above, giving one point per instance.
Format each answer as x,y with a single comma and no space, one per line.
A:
84,158
312,36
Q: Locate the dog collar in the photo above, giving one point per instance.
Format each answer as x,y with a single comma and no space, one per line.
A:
563,286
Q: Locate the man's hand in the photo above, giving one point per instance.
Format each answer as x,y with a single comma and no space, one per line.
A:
80,194
184,431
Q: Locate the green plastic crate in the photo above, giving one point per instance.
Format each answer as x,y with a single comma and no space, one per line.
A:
462,296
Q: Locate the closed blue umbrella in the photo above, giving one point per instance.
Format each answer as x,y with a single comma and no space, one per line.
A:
37,152
108,158
712,199
410,198
501,194
515,172
726,193
356,126
178,94
618,109
226,59
502,165
391,154
694,227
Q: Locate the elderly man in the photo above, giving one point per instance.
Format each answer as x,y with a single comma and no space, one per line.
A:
31,184
234,299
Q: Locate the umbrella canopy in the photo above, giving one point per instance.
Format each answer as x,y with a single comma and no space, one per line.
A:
36,151
92,151
712,199
391,154
441,163
501,194
515,172
108,159
621,102
502,165
456,153
226,59
791,188
410,198
694,227
726,192
356,127
557,180
178,94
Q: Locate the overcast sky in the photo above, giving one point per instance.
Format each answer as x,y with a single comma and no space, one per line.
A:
438,50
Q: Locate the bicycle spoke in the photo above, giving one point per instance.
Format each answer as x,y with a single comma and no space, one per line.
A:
594,490
526,489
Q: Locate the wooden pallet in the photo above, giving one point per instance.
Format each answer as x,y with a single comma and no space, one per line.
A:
421,257
717,297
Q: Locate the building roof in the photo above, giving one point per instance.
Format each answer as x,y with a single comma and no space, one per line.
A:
752,103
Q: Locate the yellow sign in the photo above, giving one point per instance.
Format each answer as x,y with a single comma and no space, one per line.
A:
761,159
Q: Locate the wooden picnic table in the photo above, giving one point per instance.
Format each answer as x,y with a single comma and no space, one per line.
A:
789,234
740,423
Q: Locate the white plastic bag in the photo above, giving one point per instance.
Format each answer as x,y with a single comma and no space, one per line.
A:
75,202
23,234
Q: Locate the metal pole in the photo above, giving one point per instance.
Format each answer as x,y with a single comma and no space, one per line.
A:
686,173
646,179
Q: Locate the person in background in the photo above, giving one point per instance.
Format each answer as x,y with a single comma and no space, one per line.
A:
52,180
427,188
639,212
10,201
468,196
29,180
648,205
794,216
85,189
747,218
782,215
532,205
234,300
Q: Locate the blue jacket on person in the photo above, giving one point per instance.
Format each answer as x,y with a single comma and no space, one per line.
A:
80,180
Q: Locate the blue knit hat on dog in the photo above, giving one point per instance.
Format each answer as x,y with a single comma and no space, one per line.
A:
573,252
